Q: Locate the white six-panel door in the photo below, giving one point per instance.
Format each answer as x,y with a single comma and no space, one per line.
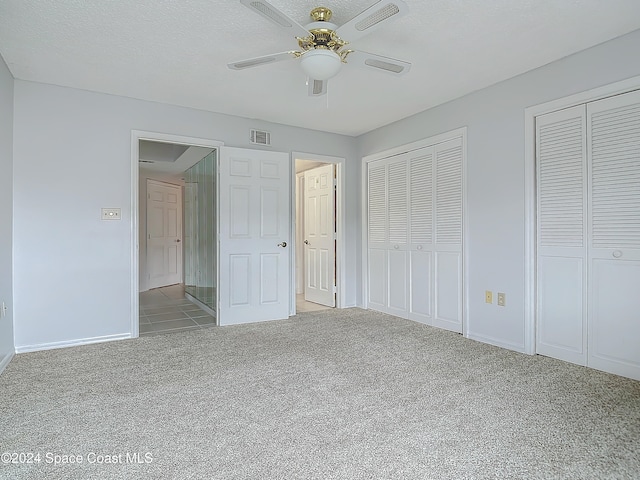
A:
254,235
164,234
319,239
588,261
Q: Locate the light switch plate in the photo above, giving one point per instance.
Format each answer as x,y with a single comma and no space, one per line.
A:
111,214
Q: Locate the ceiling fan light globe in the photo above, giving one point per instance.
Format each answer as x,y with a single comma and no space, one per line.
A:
320,64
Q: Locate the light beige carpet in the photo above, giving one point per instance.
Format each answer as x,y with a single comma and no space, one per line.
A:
345,394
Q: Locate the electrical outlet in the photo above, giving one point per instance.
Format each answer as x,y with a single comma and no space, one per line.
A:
488,296
502,298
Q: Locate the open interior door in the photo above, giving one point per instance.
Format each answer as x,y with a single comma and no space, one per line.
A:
319,235
254,230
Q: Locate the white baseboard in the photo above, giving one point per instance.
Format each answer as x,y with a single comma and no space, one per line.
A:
71,343
5,361
496,342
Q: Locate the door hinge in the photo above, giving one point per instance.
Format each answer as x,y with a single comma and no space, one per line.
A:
335,289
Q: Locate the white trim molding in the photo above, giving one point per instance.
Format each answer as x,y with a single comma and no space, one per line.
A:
72,343
530,114
136,136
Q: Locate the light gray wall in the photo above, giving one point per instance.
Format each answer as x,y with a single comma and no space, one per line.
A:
495,175
72,157
6,212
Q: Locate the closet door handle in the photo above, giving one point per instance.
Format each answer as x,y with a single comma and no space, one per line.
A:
617,254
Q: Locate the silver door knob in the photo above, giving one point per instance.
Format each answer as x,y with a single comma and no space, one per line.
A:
306,242
617,254
283,244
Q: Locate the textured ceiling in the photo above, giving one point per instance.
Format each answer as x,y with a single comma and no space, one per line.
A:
177,52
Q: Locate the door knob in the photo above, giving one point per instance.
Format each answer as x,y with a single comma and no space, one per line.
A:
306,242
178,240
617,254
283,244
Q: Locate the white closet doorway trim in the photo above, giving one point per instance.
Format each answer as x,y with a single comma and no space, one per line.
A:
530,115
136,136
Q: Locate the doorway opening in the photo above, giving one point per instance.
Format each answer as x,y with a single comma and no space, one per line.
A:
318,246
172,178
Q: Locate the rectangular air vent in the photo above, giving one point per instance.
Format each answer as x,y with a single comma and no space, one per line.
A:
260,137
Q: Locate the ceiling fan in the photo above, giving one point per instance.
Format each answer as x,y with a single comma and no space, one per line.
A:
322,45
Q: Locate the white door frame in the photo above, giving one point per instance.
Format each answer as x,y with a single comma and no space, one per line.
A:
136,136
443,137
340,224
530,255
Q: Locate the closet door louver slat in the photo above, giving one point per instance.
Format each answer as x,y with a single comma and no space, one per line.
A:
615,177
421,188
449,196
397,202
560,183
377,204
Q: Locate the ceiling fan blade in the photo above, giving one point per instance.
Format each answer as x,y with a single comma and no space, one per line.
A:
386,64
256,61
264,8
317,88
372,18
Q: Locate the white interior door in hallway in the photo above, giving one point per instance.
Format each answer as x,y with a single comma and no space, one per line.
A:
319,235
164,233
254,229
588,234
415,228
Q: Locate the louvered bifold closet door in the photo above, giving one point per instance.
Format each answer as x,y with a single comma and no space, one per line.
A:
421,235
448,204
398,253
561,234
377,238
388,235
614,232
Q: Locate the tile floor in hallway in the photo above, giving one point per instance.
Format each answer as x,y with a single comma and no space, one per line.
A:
303,306
166,310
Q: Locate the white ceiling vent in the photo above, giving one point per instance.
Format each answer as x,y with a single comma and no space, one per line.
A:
260,137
